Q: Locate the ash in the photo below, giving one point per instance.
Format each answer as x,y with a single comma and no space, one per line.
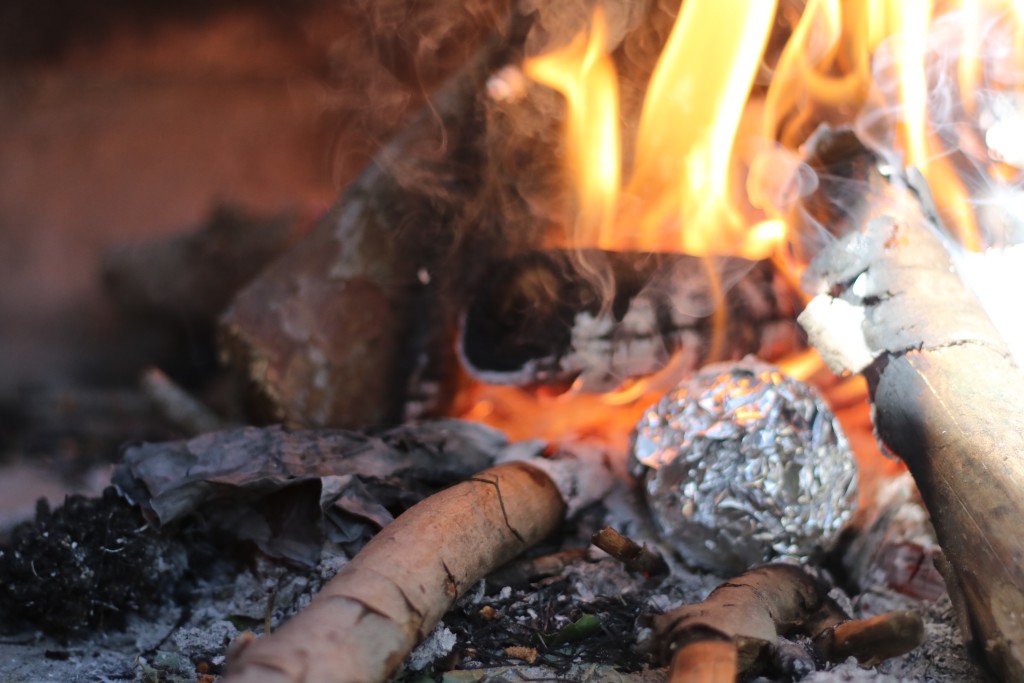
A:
586,623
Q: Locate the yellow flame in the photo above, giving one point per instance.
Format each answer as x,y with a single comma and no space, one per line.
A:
909,21
687,127
585,75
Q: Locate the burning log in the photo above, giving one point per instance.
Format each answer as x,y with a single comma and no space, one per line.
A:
329,333
739,623
354,325
947,397
389,597
599,317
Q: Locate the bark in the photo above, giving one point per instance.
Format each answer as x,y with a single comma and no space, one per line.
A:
597,317
947,399
389,597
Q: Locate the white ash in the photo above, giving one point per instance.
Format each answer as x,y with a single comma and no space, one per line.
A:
434,647
207,641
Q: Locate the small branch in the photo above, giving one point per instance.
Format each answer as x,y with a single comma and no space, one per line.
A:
750,611
179,406
874,639
636,557
392,594
527,570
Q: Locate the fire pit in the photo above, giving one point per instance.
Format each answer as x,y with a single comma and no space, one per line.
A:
451,366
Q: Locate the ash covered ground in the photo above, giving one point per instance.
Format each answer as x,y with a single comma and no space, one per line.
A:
91,593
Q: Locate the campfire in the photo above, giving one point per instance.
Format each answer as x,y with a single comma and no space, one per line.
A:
683,270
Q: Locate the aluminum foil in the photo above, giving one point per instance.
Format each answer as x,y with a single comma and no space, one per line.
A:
742,465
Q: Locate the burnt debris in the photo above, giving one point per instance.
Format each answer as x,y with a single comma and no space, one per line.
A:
86,565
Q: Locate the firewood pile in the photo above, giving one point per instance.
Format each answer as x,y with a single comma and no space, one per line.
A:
319,502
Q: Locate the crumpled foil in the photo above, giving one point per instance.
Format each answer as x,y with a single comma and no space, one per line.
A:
741,465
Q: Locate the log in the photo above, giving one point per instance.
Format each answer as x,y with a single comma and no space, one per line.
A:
330,333
389,597
946,396
599,317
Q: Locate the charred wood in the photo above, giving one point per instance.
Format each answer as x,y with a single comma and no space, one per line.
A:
947,398
600,317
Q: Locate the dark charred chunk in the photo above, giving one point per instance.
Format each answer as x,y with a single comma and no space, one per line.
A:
85,565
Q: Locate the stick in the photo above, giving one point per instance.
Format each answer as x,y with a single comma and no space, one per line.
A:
179,406
947,399
751,610
389,597
599,317
635,557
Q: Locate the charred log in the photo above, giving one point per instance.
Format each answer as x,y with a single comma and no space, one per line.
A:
947,398
599,317
354,326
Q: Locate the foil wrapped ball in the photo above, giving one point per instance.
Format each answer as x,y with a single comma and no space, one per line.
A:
741,465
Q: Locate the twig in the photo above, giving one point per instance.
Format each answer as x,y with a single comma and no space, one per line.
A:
636,557
750,611
179,406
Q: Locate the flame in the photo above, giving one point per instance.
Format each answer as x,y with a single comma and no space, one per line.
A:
688,124
681,188
584,74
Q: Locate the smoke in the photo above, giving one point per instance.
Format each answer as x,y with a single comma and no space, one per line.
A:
974,115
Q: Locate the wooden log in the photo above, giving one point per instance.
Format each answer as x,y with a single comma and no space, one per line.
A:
599,317
365,621
947,399
329,335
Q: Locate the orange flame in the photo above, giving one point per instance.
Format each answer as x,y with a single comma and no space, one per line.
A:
584,74
683,192
680,191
